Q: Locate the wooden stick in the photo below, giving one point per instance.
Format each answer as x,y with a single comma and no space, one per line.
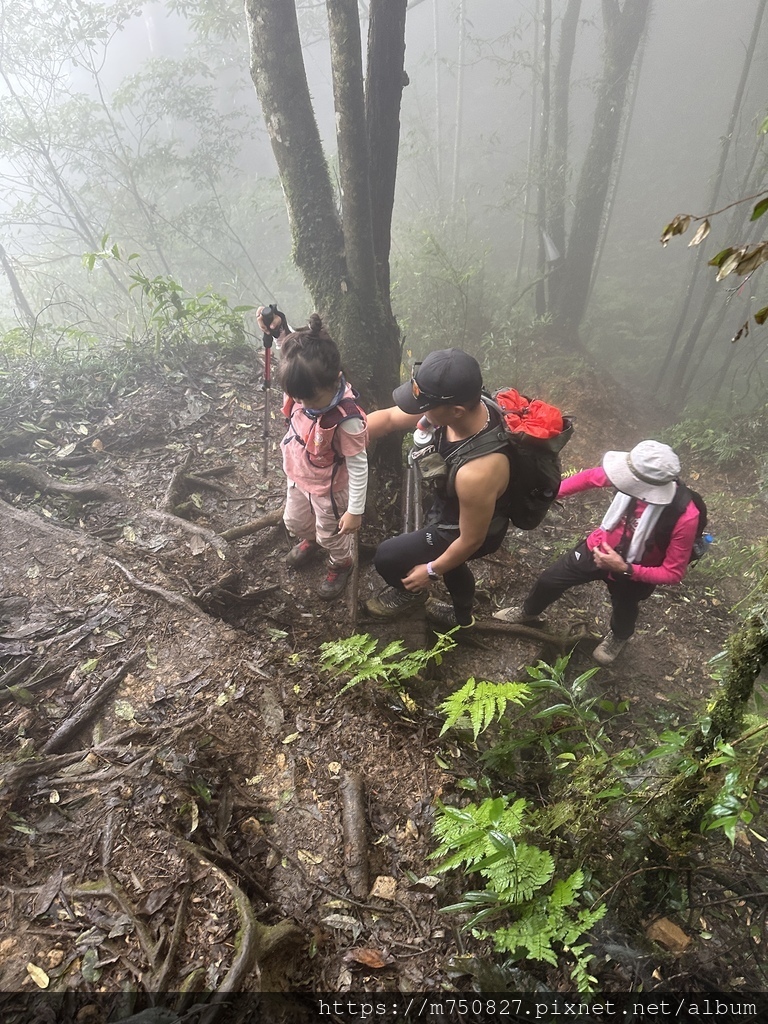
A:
355,846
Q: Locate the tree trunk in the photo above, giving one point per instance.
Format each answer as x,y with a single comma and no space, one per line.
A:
383,95
676,379
561,84
531,141
541,192
716,185
18,294
457,139
339,260
623,29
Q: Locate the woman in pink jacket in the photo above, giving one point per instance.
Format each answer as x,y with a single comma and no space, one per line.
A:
645,540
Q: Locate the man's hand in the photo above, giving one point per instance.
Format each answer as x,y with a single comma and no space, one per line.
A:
349,523
608,558
417,579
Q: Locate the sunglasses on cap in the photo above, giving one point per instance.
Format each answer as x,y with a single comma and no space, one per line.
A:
419,392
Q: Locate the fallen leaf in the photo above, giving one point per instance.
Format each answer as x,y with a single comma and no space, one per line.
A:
309,858
668,934
384,887
48,893
38,975
343,922
368,957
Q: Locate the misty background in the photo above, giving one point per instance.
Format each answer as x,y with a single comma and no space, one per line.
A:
135,165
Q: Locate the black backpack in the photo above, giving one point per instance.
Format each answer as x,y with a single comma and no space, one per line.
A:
669,517
534,462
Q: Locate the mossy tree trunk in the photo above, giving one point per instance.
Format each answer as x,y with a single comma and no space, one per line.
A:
339,257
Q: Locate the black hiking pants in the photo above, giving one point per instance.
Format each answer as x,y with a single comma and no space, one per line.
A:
396,557
577,567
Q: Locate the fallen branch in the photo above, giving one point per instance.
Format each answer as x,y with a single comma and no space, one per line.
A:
272,519
177,600
352,795
89,708
40,481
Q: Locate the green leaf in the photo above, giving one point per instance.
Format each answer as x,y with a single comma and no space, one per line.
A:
721,257
760,209
761,315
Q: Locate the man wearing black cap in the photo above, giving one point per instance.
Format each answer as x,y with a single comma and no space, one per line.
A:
444,389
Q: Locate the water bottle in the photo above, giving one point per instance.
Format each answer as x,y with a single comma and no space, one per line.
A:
701,546
423,434
423,441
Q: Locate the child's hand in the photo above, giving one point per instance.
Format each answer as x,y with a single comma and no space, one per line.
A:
264,327
349,523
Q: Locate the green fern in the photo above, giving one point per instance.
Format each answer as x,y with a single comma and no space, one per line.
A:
356,656
482,703
484,839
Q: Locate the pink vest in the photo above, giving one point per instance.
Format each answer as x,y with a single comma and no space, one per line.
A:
315,449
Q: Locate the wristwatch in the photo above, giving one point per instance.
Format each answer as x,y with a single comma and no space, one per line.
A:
629,571
434,576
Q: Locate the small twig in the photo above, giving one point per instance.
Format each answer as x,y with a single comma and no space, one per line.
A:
177,933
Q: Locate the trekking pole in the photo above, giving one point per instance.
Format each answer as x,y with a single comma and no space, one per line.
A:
354,585
268,314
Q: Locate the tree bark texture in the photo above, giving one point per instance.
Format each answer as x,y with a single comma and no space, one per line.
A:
623,28
335,255
279,75
385,80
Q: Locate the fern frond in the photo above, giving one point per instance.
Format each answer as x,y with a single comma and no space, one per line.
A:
482,702
565,890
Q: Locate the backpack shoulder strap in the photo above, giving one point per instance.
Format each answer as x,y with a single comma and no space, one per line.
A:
669,517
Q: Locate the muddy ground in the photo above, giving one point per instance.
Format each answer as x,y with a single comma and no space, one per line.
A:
185,829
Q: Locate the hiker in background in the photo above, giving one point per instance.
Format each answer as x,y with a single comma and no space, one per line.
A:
444,390
645,540
324,452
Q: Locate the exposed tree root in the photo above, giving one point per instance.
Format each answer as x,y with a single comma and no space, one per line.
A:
89,708
177,600
40,481
271,519
214,539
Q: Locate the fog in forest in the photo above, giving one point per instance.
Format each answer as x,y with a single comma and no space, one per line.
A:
142,131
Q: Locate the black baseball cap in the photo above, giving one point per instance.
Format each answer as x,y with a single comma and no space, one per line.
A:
447,377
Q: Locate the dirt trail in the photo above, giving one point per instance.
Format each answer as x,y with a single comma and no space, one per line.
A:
200,794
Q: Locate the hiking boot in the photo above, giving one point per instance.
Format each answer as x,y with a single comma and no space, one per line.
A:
335,580
391,603
443,614
302,554
608,650
517,615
